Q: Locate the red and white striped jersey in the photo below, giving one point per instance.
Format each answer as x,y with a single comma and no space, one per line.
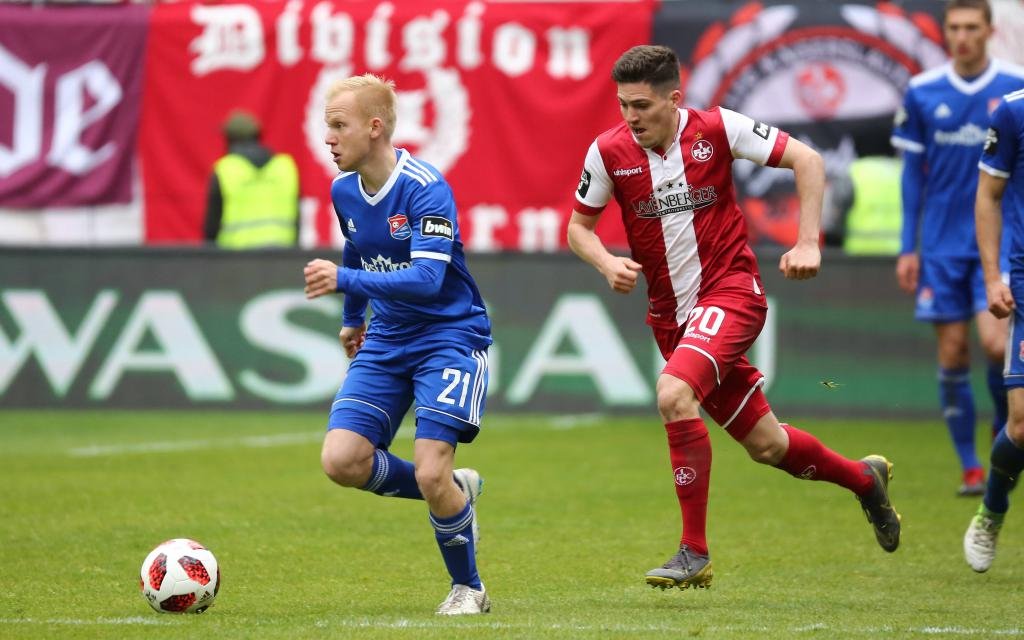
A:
679,204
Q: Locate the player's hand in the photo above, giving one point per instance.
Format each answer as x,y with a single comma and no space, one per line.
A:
801,262
621,273
352,339
321,278
1000,300
908,267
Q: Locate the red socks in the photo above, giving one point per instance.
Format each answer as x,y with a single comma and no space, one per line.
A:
689,450
809,459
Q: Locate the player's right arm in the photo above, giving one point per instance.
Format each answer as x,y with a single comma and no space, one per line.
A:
620,272
908,136
592,195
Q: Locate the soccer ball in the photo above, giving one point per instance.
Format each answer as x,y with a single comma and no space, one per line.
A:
180,576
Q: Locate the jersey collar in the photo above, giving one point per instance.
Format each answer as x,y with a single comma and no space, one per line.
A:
976,85
403,155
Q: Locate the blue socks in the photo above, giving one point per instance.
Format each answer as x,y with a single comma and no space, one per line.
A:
997,388
1007,463
455,540
392,476
958,410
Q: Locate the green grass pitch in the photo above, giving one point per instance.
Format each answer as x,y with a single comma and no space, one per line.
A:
574,511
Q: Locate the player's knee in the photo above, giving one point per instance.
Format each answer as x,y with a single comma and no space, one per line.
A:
767,443
676,401
432,479
1015,429
764,452
343,469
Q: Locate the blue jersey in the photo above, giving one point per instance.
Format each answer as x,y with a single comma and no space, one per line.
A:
1003,157
403,254
943,122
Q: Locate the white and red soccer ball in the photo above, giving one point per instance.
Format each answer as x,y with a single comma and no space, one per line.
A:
180,576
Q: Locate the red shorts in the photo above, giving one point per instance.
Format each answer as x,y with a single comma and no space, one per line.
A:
708,354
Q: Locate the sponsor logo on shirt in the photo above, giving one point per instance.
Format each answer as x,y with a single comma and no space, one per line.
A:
584,184
437,227
398,225
383,264
943,111
351,226
632,171
666,201
991,142
762,129
969,135
702,150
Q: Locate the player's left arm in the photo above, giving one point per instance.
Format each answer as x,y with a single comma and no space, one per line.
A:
804,259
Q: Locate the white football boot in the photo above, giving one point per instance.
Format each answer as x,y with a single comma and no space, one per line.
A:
465,600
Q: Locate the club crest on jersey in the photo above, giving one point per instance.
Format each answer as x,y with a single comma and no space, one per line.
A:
702,150
398,224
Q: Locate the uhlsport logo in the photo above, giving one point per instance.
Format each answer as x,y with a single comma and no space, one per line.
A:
702,150
437,227
398,225
632,171
685,475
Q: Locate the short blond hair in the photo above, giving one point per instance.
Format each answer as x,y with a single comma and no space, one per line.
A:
375,95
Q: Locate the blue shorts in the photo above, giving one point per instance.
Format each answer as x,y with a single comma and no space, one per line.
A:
447,382
1013,371
950,289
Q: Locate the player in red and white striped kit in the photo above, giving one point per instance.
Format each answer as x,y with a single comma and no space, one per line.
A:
670,169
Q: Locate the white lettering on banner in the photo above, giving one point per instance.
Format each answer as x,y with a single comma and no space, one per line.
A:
90,83
26,85
378,29
570,53
514,48
182,350
95,80
485,220
539,230
600,354
424,42
232,38
289,51
333,35
59,353
264,324
469,28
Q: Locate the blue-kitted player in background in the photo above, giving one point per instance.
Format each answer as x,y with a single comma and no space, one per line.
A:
940,129
427,340
1002,166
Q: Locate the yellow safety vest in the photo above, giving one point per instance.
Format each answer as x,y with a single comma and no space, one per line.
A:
873,224
260,204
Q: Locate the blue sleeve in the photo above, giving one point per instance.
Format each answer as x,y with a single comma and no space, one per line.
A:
1000,151
354,306
911,194
420,282
908,133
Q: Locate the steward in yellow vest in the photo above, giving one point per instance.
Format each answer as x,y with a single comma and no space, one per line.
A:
253,198
874,221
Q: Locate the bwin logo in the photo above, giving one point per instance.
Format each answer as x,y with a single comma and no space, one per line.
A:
437,227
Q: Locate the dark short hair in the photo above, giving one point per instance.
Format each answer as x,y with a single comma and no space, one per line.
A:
655,65
982,5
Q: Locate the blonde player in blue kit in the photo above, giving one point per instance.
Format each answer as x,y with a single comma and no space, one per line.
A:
427,340
1002,173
